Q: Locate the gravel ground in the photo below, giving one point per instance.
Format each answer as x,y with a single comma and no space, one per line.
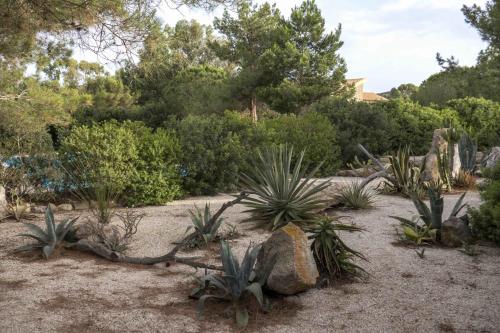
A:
447,291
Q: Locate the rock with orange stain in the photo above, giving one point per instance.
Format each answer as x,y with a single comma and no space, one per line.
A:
295,270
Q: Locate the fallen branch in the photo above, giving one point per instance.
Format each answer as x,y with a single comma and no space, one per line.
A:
106,253
381,173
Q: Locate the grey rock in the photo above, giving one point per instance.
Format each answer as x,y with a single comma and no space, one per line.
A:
66,207
295,270
439,146
493,157
455,232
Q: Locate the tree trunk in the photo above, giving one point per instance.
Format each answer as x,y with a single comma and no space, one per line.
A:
253,108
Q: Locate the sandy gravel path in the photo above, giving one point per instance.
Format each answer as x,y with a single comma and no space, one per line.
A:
447,291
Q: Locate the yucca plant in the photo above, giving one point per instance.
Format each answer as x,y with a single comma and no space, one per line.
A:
206,232
333,257
356,196
406,178
281,194
432,215
237,283
50,238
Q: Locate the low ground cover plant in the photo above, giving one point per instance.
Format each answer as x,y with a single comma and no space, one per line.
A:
355,195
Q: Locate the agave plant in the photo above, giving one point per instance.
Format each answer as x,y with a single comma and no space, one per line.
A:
48,239
281,194
432,215
207,232
467,150
237,283
406,178
16,209
356,196
333,257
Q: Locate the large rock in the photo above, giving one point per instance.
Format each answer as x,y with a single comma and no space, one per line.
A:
439,147
295,269
455,232
3,199
493,158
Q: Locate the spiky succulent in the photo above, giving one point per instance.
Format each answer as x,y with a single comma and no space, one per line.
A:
237,282
205,230
279,193
467,150
47,240
333,257
356,196
405,178
432,215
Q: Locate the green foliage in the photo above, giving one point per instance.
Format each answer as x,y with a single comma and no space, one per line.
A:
431,216
308,61
383,127
481,118
333,257
405,179
206,232
236,284
282,194
467,150
355,196
405,91
486,219
310,132
212,154
128,158
50,238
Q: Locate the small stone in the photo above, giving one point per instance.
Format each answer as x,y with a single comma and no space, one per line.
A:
38,209
81,205
66,207
295,269
3,199
53,207
455,232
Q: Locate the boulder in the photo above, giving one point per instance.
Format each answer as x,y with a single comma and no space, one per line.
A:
66,207
438,147
295,270
491,160
3,199
455,232
81,205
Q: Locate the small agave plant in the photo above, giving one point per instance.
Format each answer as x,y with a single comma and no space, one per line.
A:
48,239
205,230
237,283
431,216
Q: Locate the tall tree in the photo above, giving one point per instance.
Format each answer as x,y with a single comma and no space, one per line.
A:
251,42
313,67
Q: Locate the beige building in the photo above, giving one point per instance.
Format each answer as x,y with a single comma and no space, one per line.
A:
360,94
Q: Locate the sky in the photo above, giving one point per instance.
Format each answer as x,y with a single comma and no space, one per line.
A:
387,42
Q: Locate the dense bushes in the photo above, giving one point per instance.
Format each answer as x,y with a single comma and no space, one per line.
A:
140,164
486,219
310,132
481,117
383,127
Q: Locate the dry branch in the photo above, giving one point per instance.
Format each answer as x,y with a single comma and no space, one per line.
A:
104,252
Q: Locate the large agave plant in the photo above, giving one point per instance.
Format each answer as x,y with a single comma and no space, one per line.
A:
281,193
333,257
47,239
237,283
406,178
206,231
431,216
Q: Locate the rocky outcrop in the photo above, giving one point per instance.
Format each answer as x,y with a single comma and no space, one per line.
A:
491,160
455,232
438,148
295,270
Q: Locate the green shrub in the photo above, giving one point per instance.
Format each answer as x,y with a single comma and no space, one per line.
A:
384,126
139,164
212,154
481,117
486,219
311,132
